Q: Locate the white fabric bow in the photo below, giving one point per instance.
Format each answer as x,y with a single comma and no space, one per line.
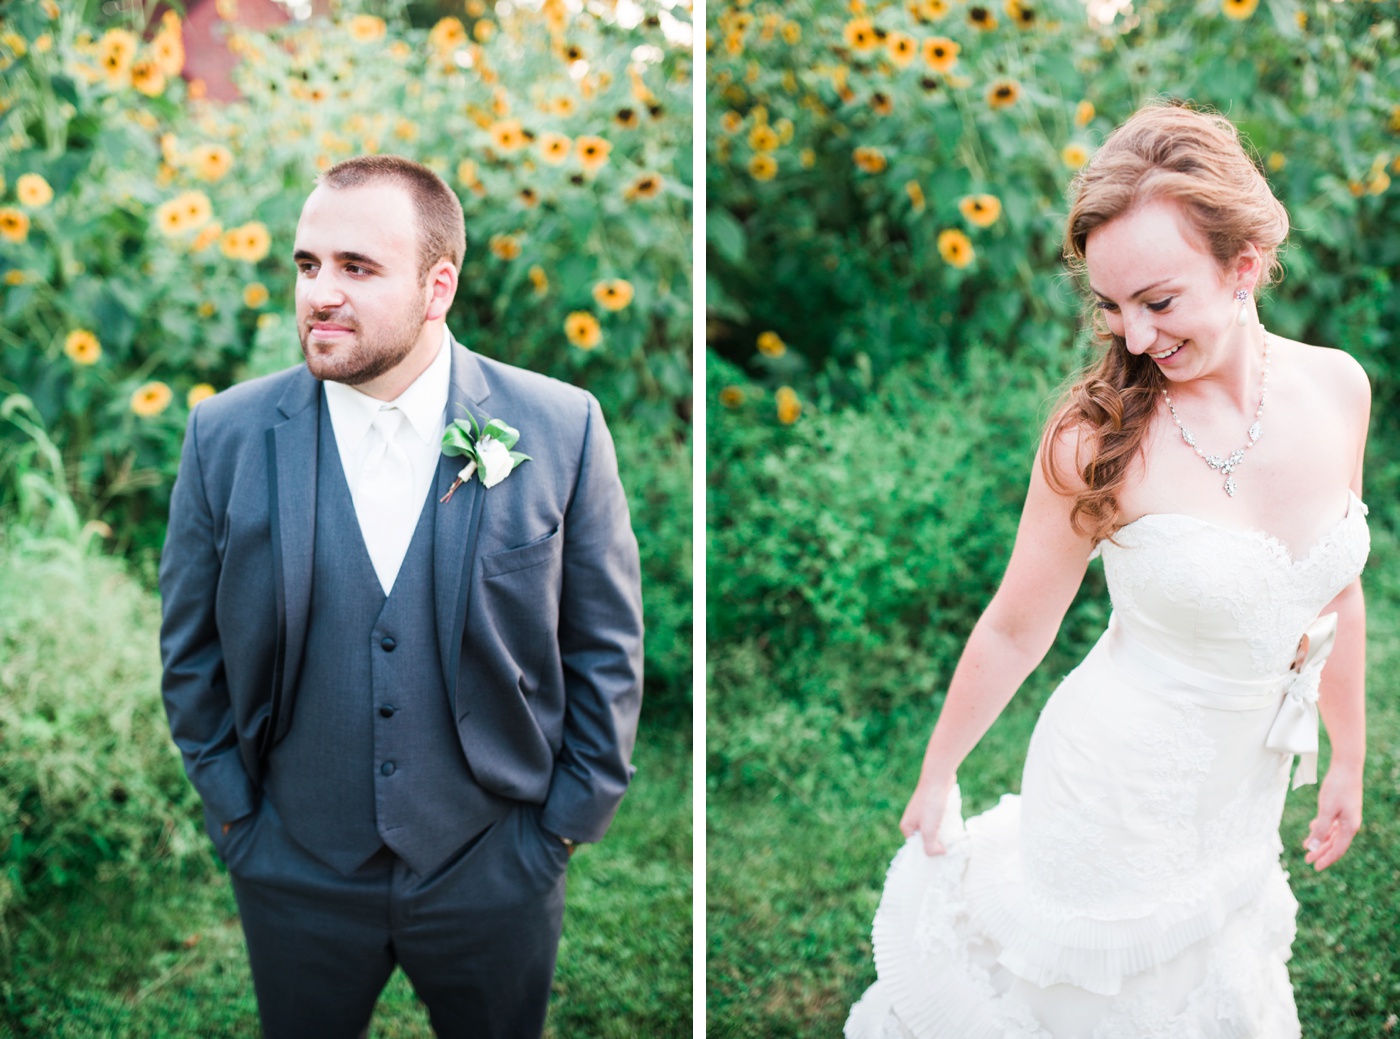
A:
1295,728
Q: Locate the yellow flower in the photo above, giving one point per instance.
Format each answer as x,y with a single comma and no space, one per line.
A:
860,35
196,209
648,185
941,53
15,44
33,190
15,277
115,53
50,8
400,51
1238,9
1394,123
792,33
539,280
483,30
614,294
199,392
254,295
249,242
583,330
529,197
1277,161
981,18
554,147
882,103
1003,93
955,248
1083,113
226,9
1021,13
151,399
763,166
563,105
505,246
789,407
207,237
507,136
871,160
1074,155
211,162
172,218
981,210
1379,183
901,48
763,138
593,153
807,157
43,43
932,10
467,173
82,347
770,344
627,118
447,35
731,122
147,78
916,195
731,396
168,48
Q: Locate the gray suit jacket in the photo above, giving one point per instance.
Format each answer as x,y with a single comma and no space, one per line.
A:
536,584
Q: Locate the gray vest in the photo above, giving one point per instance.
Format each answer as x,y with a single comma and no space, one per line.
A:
372,756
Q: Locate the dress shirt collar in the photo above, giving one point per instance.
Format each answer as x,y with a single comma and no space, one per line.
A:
424,403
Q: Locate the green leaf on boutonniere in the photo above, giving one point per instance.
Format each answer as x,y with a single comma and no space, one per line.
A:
458,439
498,430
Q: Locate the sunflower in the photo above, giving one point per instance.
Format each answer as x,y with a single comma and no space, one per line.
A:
981,18
981,210
507,136
731,122
955,248
505,246
1074,155
583,330
15,277
792,33
770,344
249,242
901,48
1238,9
168,49
151,399
592,153
554,147
916,195
211,162
483,30
564,105
648,185
941,53
255,295
207,236
882,103
763,138
172,218
115,53
366,28
789,407
860,35
33,191
731,396
1083,113
614,294
1003,93
763,166
1023,14
932,10
871,160
447,35
627,118
539,280
1378,183
147,78
199,392
82,347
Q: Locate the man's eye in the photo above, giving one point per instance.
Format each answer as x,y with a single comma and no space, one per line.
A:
355,268
307,268
1160,305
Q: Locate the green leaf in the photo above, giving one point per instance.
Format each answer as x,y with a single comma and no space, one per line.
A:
518,457
499,430
726,234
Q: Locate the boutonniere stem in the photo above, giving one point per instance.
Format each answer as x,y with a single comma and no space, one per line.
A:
487,450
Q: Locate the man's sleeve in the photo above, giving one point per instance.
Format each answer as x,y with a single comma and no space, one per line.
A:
193,682
600,642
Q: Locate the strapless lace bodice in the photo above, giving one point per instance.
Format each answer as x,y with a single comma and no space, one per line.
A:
1195,591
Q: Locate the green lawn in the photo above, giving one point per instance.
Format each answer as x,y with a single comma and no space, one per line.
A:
167,960
803,807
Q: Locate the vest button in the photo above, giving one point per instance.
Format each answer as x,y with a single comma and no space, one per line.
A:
387,768
386,710
387,644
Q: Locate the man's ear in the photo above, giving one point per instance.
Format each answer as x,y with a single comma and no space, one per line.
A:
442,289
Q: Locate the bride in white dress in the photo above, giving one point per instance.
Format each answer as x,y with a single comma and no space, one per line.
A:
1133,890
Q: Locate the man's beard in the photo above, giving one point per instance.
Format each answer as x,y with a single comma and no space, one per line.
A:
362,359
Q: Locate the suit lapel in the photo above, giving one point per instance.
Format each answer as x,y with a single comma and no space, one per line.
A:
292,509
456,522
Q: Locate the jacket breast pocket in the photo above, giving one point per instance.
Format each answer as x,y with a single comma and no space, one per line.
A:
520,591
524,557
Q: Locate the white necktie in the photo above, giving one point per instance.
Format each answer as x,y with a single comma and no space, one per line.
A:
384,497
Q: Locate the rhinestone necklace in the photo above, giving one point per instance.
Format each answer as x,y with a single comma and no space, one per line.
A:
1230,464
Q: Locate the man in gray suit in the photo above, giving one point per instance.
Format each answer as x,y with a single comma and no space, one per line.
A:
402,708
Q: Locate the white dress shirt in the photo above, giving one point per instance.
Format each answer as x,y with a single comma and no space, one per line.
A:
424,405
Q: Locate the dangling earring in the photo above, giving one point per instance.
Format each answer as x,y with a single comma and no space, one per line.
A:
1243,296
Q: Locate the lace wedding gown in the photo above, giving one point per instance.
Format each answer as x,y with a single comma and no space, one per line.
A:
1133,890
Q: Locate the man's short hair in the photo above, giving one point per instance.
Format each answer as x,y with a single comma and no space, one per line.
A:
442,230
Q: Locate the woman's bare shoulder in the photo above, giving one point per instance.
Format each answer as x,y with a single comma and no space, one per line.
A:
1333,372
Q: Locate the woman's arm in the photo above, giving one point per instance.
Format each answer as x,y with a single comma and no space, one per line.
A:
1011,638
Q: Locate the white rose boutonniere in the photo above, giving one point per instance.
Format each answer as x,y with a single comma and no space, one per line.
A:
487,450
